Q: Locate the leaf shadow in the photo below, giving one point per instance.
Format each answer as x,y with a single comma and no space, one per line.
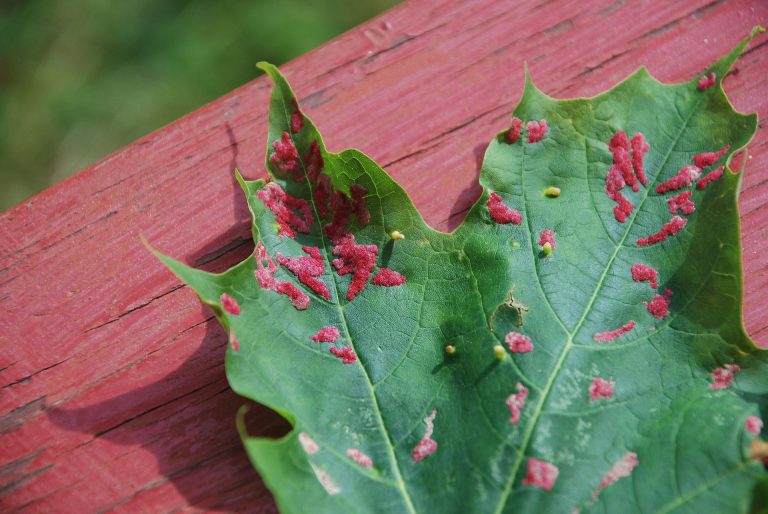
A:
469,195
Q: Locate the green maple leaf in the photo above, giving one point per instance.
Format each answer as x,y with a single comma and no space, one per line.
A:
429,400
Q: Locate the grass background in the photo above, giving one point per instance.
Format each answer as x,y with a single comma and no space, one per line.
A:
81,78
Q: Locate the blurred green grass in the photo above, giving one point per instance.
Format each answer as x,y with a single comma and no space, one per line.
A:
81,78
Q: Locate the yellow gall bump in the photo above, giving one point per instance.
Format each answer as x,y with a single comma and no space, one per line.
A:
450,349
552,192
546,249
395,235
499,351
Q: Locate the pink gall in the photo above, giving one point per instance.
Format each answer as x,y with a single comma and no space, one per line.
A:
426,446
359,260
536,130
609,335
682,202
670,228
516,402
641,273
547,237
264,275
706,82
541,474
292,214
285,158
297,121
229,304
359,457
622,468
684,178
706,159
659,305
346,354
308,444
753,425
722,377
518,343
326,335
601,388
712,176
639,148
307,269
388,278
513,134
501,213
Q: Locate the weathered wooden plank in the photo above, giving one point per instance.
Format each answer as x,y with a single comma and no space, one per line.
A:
113,390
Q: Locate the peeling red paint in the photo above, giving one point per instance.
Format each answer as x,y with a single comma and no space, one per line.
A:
518,343
513,134
501,213
359,457
641,273
346,354
516,403
541,474
267,281
601,388
356,259
285,157
285,207
712,176
682,202
706,159
387,277
670,228
753,424
426,446
537,130
307,268
610,335
547,236
622,468
326,335
229,304
684,178
639,148
722,377
659,305
706,82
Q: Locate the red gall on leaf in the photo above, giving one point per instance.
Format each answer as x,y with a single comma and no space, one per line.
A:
267,281
326,335
670,228
343,207
623,210
541,474
706,159
601,388
610,335
712,176
518,343
285,157
753,425
307,268
639,148
547,238
682,202
706,82
359,457
622,468
387,277
516,403
683,178
659,305
297,121
313,162
513,134
619,147
356,259
722,377
229,304
426,446
308,444
233,341
536,130
285,207
641,273
500,213
322,195
346,354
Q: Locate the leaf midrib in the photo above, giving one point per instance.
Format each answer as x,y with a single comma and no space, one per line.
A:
399,482
569,343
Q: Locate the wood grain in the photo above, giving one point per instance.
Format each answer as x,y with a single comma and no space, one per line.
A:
113,389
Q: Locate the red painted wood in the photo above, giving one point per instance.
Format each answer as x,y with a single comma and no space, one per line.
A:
113,389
